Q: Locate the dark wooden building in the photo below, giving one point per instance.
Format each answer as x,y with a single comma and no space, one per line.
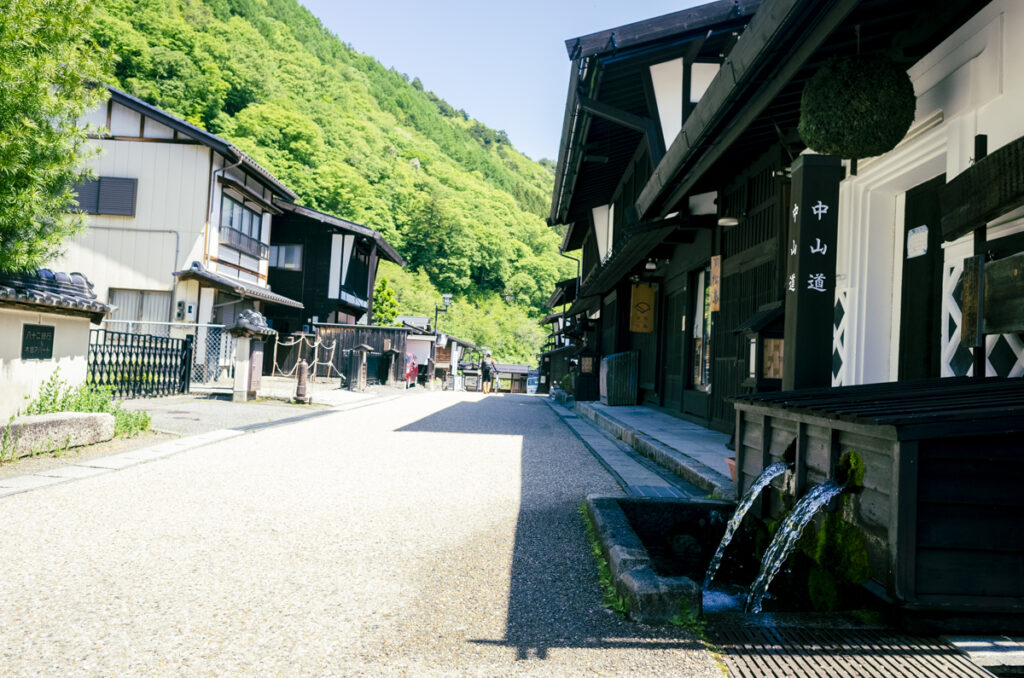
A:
326,262
678,167
736,262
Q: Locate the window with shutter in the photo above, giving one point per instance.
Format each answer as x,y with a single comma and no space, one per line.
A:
117,196
88,195
108,195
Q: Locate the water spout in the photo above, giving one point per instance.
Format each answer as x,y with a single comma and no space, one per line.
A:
741,510
786,539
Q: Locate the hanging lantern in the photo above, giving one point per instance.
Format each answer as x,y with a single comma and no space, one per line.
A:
856,107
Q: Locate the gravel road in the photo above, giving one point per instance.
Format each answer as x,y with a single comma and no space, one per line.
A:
436,534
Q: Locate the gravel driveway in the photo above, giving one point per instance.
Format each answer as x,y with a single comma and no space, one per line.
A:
432,535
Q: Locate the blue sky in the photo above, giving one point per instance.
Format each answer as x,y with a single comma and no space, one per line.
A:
503,63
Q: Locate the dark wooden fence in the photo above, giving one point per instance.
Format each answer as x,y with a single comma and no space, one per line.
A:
136,365
329,352
337,341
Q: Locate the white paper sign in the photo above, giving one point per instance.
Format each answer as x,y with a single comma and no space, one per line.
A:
917,242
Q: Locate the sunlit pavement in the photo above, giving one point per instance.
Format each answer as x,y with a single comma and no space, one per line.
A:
425,535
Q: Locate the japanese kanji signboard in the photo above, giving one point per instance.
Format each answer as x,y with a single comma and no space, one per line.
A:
641,308
811,271
716,282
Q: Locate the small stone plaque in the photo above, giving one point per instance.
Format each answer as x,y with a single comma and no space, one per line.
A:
36,342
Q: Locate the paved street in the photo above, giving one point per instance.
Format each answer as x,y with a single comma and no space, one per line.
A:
433,534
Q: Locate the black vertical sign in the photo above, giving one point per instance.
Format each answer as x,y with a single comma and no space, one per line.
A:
810,282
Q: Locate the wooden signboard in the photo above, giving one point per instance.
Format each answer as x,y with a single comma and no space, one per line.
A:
991,187
810,281
641,308
716,283
993,298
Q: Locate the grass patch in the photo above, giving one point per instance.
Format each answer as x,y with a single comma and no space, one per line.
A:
611,598
8,441
55,395
687,619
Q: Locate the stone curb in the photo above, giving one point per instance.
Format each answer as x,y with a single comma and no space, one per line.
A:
37,433
677,462
651,598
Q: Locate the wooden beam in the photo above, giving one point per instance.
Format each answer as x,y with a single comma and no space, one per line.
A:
645,126
618,116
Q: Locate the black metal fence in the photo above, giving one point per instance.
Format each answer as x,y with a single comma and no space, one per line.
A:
136,365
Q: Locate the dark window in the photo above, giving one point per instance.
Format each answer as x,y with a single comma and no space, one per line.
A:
358,270
108,195
288,257
240,228
240,218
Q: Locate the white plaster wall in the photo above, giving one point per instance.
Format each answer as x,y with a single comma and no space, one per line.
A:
167,232
667,81
419,347
604,229
972,83
21,378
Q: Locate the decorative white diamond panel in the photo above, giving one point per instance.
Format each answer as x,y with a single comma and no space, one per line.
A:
839,318
1004,353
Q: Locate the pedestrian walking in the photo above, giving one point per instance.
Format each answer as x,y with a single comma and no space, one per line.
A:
487,371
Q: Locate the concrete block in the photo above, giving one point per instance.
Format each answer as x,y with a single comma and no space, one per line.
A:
654,599
48,432
28,482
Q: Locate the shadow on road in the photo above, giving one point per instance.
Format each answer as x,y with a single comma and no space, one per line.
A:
554,598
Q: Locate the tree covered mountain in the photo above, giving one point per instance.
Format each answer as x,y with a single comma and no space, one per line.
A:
355,139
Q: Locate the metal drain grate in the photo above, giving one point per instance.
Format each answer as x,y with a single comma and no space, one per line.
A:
865,653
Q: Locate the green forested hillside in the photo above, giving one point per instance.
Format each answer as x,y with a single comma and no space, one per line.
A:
361,141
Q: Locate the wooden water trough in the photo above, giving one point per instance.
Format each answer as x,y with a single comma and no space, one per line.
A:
941,508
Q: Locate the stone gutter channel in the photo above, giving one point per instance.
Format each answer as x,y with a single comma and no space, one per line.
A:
651,598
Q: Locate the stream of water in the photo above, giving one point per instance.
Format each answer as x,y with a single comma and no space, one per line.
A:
741,510
786,539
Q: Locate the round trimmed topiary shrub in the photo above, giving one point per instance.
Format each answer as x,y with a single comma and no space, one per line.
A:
856,107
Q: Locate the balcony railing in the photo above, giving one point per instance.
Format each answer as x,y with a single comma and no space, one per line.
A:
243,243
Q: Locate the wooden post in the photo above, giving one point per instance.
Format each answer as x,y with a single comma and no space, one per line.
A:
980,248
800,462
766,457
811,271
741,452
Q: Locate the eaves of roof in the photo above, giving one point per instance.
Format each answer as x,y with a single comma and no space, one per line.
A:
639,42
750,76
463,342
225,148
344,226
234,286
622,38
511,369
61,293
552,317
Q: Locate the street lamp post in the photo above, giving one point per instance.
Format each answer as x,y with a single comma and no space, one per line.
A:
446,299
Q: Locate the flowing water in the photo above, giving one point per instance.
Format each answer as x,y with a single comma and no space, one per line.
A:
741,510
786,538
